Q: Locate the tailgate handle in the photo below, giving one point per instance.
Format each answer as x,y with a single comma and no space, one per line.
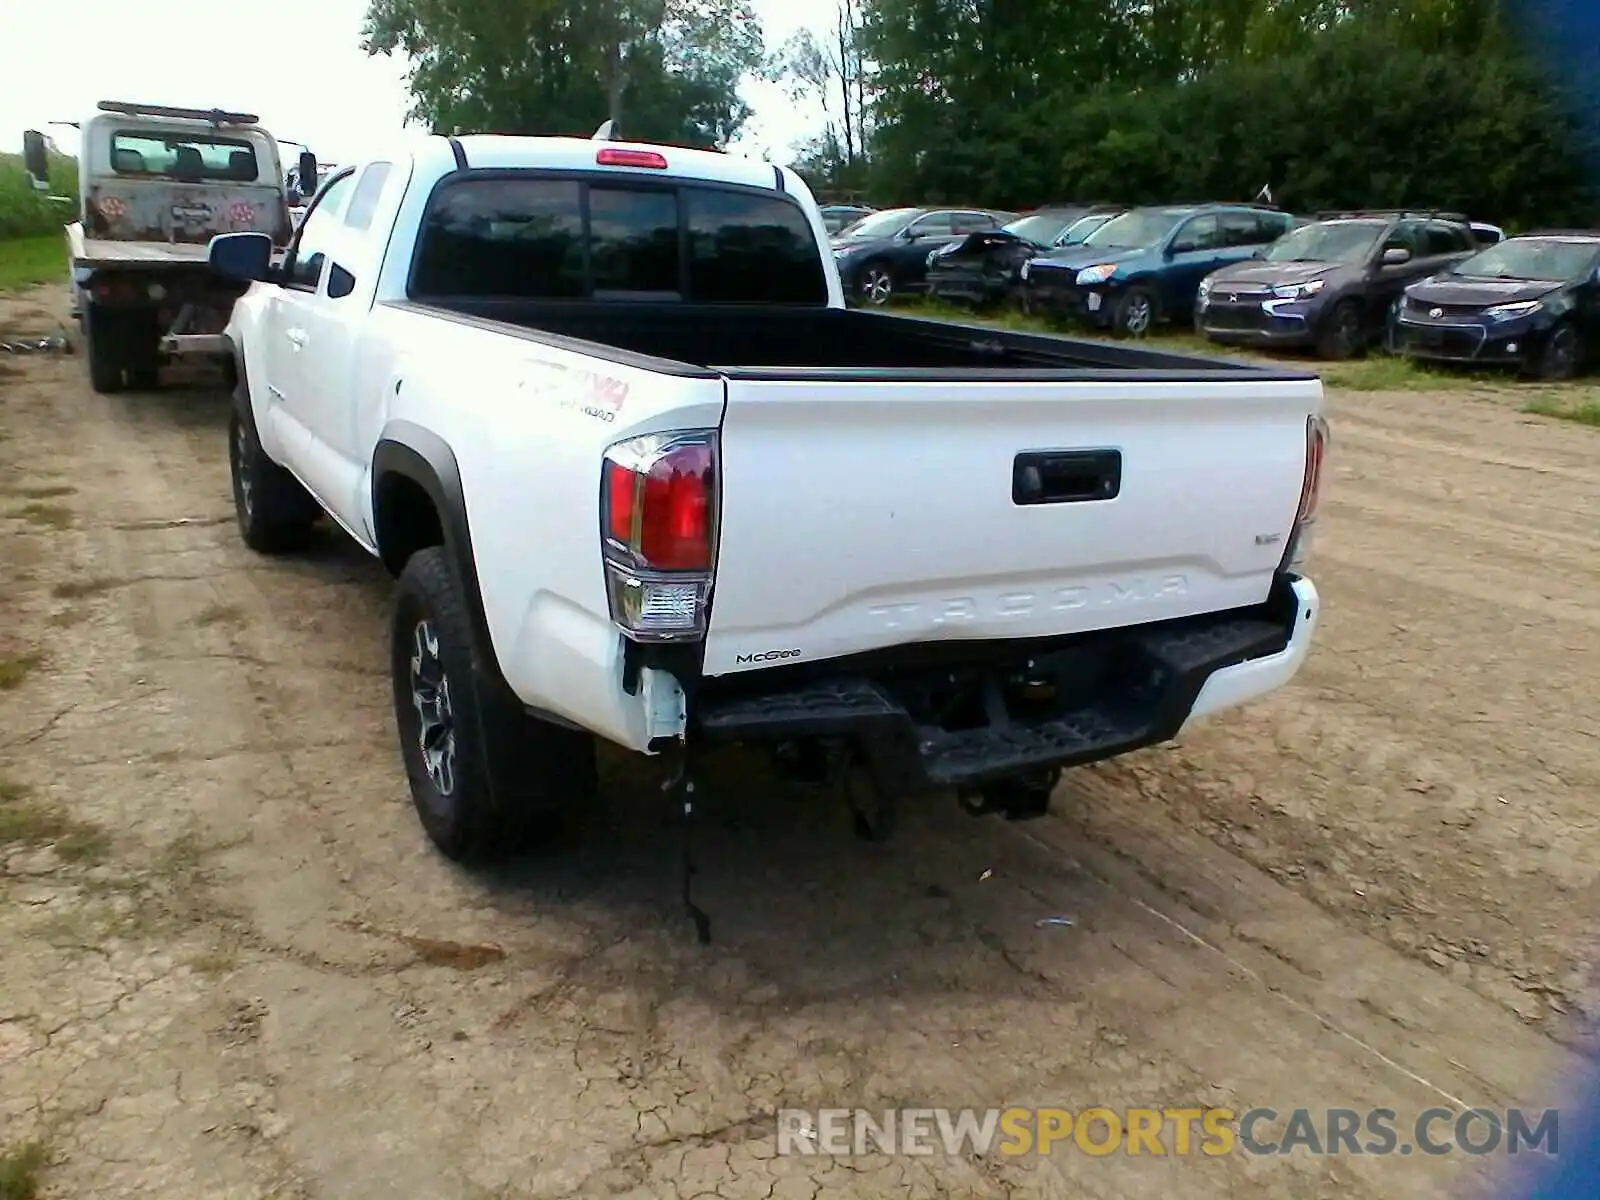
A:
1065,476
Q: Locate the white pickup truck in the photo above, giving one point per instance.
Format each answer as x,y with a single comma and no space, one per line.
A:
642,477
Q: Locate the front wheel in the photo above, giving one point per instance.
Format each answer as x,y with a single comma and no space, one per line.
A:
877,284
1562,356
274,512
1341,335
1135,314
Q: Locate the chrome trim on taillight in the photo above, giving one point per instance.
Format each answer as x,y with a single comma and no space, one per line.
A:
648,603
1305,517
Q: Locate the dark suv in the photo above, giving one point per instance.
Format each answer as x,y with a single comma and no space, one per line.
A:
1329,286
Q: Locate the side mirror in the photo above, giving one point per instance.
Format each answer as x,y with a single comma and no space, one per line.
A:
245,256
1396,256
36,159
307,181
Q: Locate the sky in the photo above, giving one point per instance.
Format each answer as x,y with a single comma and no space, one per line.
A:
297,63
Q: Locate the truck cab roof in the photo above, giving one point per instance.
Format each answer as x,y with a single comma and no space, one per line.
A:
488,151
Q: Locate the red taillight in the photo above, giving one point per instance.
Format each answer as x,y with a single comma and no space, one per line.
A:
660,509
658,518
1311,481
622,489
612,156
1305,517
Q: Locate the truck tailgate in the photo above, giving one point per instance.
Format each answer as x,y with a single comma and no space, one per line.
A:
861,515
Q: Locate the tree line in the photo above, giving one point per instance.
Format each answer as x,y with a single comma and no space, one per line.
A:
1458,104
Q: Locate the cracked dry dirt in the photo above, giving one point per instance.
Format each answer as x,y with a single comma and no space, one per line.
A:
230,966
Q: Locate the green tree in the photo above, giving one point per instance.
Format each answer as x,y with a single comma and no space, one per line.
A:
663,70
830,69
1336,103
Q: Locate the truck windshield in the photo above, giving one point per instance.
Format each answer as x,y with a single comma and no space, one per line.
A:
183,156
543,238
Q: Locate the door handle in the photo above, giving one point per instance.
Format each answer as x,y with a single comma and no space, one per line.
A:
297,337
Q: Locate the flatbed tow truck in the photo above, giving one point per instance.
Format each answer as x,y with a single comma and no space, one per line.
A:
155,184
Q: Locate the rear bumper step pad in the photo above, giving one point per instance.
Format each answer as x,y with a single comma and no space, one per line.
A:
1147,701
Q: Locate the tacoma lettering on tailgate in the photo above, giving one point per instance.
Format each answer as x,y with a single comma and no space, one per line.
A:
954,610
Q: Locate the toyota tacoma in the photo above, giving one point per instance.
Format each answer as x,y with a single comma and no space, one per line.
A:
644,479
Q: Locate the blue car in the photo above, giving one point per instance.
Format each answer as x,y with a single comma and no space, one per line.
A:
1145,266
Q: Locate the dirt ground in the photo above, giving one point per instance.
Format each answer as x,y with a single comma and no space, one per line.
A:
231,966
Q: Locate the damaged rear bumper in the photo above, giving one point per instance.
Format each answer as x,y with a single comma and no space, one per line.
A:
1111,693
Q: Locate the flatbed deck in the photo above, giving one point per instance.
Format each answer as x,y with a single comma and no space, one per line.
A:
87,252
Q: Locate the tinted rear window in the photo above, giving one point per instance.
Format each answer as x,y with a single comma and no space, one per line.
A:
554,239
186,156
746,248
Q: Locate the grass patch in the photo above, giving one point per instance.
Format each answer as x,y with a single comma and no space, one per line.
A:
1377,372
21,1168
1584,413
28,262
78,589
48,516
44,491
26,212
220,614
24,822
14,670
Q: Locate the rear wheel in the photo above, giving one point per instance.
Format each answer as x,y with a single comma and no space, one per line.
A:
877,284
486,779
142,348
1341,335
103,349
1391,326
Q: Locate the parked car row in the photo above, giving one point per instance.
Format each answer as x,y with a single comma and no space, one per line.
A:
1422,285
1329,286
886,254
1429,285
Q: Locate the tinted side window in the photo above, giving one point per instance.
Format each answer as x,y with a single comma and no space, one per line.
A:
313,241
748,249
1272,226
1439,238
938,222
1241,229
1407,235
364,200
1200,233
969,222
633,243
503,237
